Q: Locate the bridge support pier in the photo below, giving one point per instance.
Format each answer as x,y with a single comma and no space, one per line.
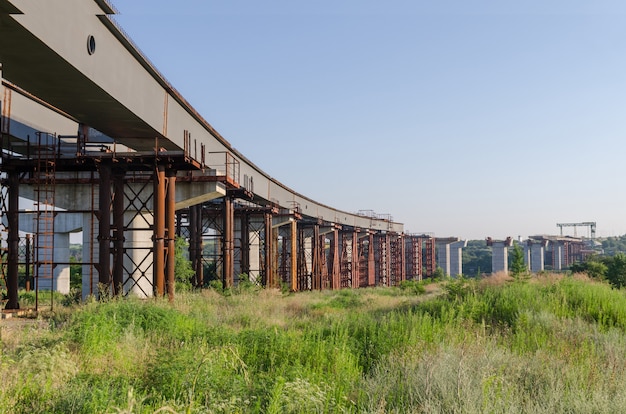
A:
537,255
414,257
500,254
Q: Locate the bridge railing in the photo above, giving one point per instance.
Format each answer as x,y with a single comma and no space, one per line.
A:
225,165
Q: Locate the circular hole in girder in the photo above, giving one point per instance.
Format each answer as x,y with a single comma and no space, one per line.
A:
91,44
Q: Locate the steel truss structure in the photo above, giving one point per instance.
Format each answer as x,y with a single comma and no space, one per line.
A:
131,224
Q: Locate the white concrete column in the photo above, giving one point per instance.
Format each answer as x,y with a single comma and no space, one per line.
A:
527,255
499,254
537,257
308,248
557,256
60,274
138,258
443,257
255,257
456,257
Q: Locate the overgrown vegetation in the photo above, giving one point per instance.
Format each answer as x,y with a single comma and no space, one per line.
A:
611,268
549,344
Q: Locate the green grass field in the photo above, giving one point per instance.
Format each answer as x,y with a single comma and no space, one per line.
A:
551,344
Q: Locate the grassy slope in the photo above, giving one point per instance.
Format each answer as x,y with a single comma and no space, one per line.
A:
546,345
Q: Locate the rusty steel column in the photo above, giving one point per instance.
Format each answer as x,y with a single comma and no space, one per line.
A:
28,263
170,222
402,258
195,243
13,241
355,259
228,243
268,245
104,227
159,230
275,254
294,255
336,270
245,242
118,232
316,271
431,264
371,261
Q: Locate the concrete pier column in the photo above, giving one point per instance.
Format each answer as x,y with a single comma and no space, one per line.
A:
316,263
449,255
456,257
60,280
527,255
537,251
253,254
138,256
557,256
499,254
307,258
443,257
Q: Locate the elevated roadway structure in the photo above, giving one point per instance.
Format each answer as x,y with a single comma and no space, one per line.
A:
102,143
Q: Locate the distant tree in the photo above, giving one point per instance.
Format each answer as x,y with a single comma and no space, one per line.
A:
616,270
593,267
518,267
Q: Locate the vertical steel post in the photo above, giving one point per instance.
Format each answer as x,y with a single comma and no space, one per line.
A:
294,255
371,262
316,282
195,243
336,270
118,229
28,263
228,243
245,243
268,246
170,221
104,228
159,230
13,241
199,246
402,258
355,259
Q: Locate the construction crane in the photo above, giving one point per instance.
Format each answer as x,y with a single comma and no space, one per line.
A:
590,224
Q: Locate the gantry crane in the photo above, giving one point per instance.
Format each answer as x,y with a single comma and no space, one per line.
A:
590,224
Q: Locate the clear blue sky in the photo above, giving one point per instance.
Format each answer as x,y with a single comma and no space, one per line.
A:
463,118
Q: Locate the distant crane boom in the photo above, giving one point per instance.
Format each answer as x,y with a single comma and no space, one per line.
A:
590,224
